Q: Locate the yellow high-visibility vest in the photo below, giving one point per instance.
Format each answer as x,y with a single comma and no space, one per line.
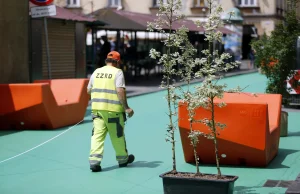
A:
104,94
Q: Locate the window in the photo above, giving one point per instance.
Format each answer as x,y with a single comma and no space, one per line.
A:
278,3
114,3
248,3
200,3
73,3
156,2
282,6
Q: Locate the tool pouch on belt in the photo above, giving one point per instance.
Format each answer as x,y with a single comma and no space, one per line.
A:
96,116
124,116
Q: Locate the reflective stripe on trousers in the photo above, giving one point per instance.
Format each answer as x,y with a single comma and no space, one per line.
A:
95,159
108,122
122,159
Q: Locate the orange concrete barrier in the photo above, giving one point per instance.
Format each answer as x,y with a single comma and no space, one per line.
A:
45,104
252,134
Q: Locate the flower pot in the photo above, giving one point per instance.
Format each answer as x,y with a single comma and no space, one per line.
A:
181,183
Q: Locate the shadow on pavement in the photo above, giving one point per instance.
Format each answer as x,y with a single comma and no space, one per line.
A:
144,164
274,164
9,132
297,133
3,133
137,164
245,190
277,161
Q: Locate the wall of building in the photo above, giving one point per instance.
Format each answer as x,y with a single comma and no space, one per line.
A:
267,7
66,46
298,10
264,18
227,5
14,41
61,35
87,6
137,6
60,3
266,26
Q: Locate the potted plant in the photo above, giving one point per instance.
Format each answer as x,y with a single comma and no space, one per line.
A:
179,50
174,42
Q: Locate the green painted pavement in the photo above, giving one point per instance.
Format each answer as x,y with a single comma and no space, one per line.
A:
61,165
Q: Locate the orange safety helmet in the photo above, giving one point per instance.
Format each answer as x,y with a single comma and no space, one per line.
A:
114,55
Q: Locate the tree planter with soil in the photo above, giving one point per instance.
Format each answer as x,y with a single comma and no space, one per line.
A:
191,183
180,51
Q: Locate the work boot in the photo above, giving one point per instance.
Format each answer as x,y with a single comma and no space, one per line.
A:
129,161
95,168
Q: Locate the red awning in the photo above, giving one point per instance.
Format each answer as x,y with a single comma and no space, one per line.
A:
125,20
65,14
143,19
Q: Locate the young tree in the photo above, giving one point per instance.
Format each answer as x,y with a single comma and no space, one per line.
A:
180,51
212,63
187,97
167,16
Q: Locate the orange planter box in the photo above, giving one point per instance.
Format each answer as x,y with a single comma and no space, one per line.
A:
45,104
252,132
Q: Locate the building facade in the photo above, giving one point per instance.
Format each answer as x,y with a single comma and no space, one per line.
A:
262,14
257,16
64,55
14,42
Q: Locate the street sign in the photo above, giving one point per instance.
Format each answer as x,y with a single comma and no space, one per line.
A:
43,11
41,2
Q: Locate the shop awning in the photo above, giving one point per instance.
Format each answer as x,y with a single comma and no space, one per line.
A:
125,20
65,14
116,21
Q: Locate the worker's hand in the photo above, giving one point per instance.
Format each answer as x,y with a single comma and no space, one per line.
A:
129,112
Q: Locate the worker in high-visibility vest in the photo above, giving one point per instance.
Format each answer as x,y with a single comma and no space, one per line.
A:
109,108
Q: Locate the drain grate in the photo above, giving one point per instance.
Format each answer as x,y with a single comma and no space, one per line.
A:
278,183
294,188
298,178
